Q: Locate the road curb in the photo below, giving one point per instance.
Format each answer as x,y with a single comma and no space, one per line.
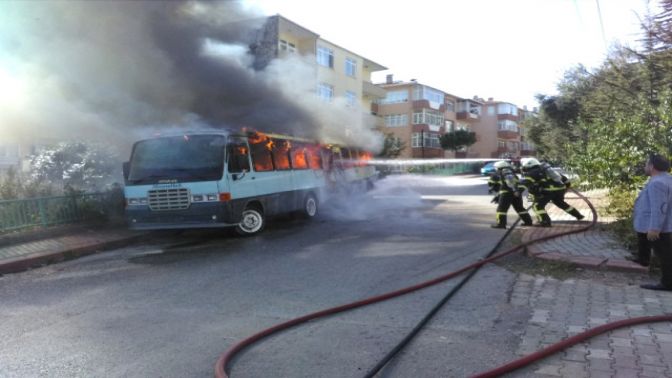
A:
589,262
37,259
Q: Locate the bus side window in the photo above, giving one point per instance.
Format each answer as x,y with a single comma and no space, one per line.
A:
314,157
281,154
345,158
261,155
327,159
238,160
338,159
298,155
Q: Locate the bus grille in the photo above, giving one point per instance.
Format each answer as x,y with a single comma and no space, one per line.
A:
168,199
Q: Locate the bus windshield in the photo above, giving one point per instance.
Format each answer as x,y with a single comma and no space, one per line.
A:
182,158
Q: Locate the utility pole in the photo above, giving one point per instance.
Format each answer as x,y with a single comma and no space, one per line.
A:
422,142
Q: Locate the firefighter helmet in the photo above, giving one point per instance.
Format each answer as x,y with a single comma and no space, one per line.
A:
528,163
502,164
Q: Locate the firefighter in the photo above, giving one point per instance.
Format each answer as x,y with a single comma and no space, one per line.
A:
546,185
505,182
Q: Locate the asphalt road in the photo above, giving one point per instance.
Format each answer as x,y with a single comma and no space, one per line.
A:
168,307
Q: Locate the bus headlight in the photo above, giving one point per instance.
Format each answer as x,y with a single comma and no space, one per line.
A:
212,197
136,201
197,198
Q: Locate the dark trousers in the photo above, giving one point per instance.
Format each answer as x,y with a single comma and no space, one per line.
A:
558,199
506,200
643,248
663,249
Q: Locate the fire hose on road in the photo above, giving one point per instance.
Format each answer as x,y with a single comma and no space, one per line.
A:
223,362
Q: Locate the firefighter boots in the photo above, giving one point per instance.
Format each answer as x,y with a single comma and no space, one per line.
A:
501,221
575,213
544,220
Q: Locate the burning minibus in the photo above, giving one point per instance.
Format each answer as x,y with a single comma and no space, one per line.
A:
223,179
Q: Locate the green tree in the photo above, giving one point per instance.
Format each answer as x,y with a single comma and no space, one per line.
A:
10,185
75,166
457,140
392,146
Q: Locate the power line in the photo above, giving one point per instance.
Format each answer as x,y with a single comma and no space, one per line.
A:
599,13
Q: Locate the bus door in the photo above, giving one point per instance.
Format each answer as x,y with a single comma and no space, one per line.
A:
239,176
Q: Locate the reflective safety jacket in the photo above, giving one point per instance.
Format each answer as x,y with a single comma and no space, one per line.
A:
538,180
504,181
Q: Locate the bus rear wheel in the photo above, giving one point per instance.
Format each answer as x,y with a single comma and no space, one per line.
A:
309,206
253,222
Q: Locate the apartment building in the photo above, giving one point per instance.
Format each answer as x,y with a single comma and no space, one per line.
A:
418,115
527,148
339,71
500,131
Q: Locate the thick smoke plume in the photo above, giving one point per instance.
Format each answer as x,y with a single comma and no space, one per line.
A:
111,70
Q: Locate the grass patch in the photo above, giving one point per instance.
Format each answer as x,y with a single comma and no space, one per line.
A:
521,264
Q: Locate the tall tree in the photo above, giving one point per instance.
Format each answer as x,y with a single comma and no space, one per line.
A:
75,166
457,140
392,146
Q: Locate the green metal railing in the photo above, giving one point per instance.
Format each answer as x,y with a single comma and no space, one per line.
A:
48,211
456,169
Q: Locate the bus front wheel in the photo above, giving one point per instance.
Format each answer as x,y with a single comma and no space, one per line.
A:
252,223
309,206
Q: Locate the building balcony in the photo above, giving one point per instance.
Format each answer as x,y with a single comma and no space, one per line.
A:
510,117
417,128
507,134
427,152
426,104
372,90
467,116
528,152
506,151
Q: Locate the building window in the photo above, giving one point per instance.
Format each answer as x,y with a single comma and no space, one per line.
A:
421,92
428,117
396,120
468,106
501,144
325,92
430,140
325,57
507,125
415,140
350,67
450,106
450,126
491,110
507,109
286,46
462,126
394,97
351,98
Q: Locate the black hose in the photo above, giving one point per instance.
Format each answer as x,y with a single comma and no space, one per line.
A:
402,344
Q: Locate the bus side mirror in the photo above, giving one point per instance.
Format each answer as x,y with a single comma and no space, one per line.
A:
126,168
238,176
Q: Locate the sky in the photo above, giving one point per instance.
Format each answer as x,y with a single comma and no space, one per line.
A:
508,50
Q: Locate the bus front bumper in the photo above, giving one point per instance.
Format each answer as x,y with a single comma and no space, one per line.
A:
201,215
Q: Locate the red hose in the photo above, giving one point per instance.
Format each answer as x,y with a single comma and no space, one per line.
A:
224,360
530,358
